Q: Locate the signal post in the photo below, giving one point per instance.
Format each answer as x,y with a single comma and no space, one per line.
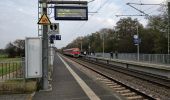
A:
81,7
44,21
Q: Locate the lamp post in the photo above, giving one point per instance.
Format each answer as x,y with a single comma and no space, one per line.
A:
168,3
103,45
138,42
81,47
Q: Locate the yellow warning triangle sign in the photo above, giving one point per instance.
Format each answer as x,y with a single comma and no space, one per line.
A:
44,20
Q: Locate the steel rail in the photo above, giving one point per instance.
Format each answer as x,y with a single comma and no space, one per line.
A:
156,79
112,79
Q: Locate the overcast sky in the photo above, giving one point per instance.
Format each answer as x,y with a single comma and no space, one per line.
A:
18,19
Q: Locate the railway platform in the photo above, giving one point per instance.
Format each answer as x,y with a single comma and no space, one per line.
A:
69,83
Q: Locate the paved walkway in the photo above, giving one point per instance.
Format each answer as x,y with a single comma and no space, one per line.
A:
16,97
67,87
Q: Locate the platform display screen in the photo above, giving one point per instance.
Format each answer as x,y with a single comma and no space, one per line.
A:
71,13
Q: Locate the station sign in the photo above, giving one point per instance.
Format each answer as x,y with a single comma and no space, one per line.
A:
54,37
58,37
71,12
136,40
135,36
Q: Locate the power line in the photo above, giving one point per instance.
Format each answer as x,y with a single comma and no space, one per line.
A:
92,15
129,4
82,25
129,15
143,4
114,12
91,1
136,15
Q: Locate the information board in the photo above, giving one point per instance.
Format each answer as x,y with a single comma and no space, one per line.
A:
33,57
71,13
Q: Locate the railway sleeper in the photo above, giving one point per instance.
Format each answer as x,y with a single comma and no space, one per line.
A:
105,80
111,84
137,97
120,88
128,94
124,91
115,86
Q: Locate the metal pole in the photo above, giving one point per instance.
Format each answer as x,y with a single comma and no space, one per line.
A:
89,48
168,25
138,44
103,45
65,2
81,45
45,50
168,30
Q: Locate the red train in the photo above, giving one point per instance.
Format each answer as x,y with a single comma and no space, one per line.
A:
74,52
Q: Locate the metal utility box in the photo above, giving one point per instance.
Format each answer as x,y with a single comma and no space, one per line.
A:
33,57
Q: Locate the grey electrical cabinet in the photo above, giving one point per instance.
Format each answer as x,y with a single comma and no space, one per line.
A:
33,57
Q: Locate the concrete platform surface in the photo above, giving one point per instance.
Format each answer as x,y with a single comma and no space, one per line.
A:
66,87
16,97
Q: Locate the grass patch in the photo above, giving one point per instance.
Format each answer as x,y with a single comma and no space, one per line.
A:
3,55
8,68
10,65
9,59
18,86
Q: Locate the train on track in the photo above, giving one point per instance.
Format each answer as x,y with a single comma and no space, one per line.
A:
74,52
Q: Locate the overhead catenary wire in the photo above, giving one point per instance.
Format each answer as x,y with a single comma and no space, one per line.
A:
83,24
144,4
114,18
111,15
102,21
166,26
137,9
91,1
101,6
140,19
93,15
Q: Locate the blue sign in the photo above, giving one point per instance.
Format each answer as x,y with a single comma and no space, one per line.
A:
136,41
55,37
135,36
52,37
58,37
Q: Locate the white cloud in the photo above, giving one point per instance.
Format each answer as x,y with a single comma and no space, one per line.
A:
18,19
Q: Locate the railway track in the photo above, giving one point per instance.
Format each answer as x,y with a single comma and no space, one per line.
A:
128,92
155,79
